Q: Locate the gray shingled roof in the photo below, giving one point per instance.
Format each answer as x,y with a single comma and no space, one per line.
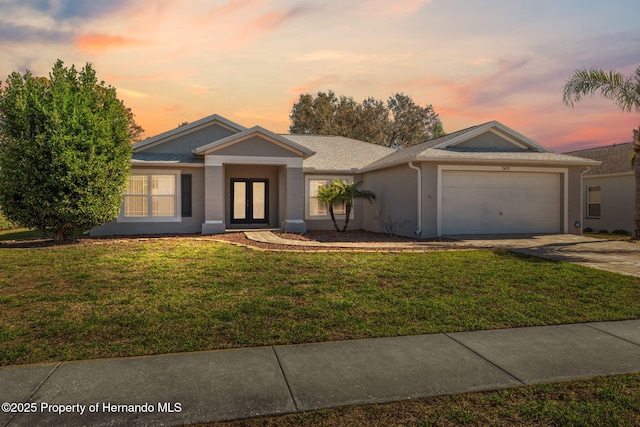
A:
615,158
338,153
346,155
417,153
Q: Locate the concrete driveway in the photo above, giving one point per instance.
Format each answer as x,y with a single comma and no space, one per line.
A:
616,256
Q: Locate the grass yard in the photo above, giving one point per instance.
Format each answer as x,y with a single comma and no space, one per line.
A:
130,297
606,401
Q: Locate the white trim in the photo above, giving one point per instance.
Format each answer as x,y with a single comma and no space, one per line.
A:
214,222
609,175
505,169
455,159
290,162
307,178
178,198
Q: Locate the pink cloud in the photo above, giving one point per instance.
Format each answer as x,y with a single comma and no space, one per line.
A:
104,42
315,84
394,7
164,76
267,23
231,7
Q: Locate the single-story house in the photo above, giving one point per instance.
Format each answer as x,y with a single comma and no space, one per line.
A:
609,188
213,175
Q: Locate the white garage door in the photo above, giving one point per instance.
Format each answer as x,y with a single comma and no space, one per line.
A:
500,202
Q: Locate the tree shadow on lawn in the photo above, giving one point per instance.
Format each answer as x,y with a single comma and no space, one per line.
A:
27,238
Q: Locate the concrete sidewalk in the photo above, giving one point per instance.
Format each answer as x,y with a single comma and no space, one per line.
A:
230,384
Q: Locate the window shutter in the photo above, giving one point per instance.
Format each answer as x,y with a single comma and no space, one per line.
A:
186,195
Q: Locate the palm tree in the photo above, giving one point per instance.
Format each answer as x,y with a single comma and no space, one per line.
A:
625,93
342,190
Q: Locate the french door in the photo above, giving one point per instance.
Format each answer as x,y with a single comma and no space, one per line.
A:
249,201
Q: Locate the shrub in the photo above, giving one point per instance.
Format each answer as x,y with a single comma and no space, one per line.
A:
5,224
588,230
603,232
65,151
621,232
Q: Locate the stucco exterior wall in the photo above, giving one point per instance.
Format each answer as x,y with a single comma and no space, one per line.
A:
617,202
489,141
429,200
293,193
192,224
395,206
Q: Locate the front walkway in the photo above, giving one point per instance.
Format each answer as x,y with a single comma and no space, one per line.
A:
202,387
264,236
615,256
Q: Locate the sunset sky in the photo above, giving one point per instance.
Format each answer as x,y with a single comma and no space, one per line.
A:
248,60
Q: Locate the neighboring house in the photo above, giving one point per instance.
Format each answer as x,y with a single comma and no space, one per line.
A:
609,189
213,175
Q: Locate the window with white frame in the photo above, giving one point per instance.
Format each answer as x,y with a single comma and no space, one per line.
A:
150,196
317,209
594,199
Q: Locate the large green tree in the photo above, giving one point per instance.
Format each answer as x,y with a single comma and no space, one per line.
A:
624,91
398,122
65,150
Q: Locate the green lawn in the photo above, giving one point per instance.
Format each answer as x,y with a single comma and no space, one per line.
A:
125,298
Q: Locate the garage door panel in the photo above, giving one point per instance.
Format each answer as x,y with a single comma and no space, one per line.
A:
500,202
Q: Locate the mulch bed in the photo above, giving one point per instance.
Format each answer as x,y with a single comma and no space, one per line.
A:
239,238
353,236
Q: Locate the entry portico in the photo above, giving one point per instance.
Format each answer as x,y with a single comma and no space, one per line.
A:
253,178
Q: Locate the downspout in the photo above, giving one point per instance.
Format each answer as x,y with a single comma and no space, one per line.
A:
412,166
582,193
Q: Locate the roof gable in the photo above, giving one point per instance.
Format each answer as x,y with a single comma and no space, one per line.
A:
185,138
487,143
491,136
259,138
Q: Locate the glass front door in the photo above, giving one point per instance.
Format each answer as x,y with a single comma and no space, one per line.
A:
249,201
